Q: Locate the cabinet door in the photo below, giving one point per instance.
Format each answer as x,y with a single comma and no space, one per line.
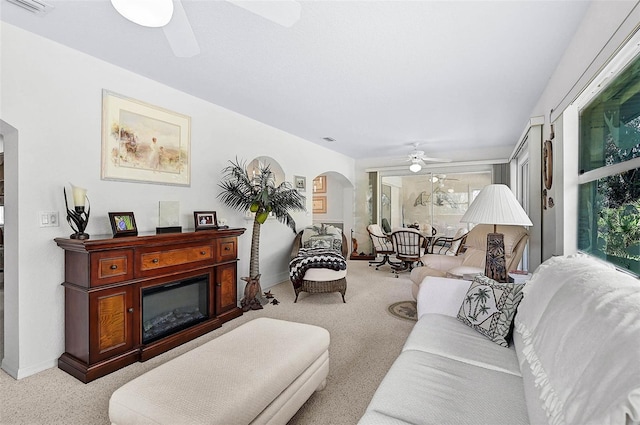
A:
226,289
111,318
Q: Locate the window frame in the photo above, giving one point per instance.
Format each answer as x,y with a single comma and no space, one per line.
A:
629,52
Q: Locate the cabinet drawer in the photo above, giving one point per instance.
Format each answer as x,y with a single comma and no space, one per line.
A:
174,257
226,249
111,267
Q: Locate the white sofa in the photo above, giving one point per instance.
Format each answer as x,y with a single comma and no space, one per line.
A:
574,359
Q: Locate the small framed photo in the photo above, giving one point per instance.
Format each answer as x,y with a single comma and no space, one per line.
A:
123,224
300,183
205,220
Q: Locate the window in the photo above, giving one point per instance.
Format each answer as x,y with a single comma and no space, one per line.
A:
609,161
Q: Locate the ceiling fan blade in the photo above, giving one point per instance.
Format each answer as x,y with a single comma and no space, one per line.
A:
282,12
429,159
180,34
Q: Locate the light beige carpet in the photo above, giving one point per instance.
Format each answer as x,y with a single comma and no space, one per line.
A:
365,340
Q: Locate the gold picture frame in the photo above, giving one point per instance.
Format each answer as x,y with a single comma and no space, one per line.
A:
319,204
144,143
320,184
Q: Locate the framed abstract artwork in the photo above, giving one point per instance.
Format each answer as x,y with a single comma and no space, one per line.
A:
320,184
144,143
300,183
319,204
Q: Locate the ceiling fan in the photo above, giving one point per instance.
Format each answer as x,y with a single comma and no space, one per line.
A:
442,178
418,159
176,26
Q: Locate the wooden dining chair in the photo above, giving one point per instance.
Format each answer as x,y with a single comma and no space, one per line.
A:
382,245
409,247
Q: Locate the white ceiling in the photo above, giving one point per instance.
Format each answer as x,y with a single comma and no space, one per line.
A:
456,76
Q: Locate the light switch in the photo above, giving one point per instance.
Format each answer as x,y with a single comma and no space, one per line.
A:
49,219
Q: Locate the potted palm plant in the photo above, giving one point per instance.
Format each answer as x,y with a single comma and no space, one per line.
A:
260,195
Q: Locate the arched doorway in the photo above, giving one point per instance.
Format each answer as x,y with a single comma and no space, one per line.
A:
333,200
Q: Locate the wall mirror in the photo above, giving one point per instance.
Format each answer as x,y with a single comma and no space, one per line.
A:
430,200
253,168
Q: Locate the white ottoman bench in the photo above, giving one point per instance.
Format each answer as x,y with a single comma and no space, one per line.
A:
259,373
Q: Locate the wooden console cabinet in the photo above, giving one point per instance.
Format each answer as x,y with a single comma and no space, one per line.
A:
104,280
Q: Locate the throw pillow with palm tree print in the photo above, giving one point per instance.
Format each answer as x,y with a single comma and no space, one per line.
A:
489,308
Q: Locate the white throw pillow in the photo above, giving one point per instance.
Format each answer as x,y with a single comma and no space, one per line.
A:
322,230
321,241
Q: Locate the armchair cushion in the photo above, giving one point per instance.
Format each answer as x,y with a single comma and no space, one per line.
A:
459,271
381,243
441,262
476,243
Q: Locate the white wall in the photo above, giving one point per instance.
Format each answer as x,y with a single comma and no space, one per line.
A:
52,96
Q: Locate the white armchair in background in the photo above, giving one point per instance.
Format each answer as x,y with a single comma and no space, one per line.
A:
473,259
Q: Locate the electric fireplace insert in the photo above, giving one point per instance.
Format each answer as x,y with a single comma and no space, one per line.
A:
172,307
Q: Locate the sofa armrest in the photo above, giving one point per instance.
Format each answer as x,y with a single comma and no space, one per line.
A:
441,295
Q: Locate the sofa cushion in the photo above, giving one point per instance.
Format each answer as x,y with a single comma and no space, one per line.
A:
489,308
424,388
460,271
447,337
579,327
324,275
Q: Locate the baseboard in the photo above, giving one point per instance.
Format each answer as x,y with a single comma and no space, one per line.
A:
21,373
10,369
275,280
